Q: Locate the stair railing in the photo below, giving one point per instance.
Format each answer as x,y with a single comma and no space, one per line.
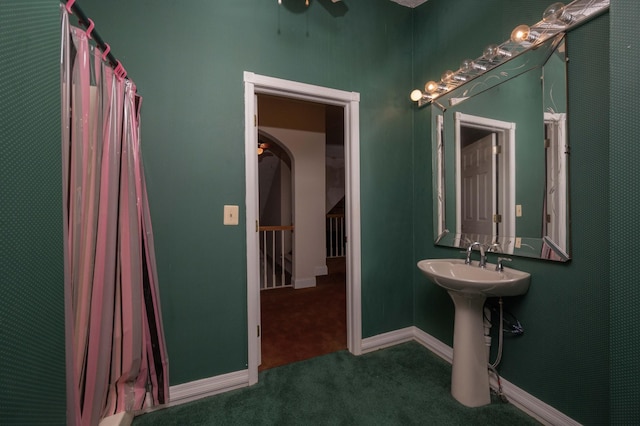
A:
275,259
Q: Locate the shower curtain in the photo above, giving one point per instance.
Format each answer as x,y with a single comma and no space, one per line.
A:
116,354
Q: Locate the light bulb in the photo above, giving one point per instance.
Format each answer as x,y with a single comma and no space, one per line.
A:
450,77
260,151
522,33
466,65
469,65
490,52
493,52
431,87
447,76
556,13
416,95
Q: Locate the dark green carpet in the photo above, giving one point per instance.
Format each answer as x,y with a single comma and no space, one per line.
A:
401,385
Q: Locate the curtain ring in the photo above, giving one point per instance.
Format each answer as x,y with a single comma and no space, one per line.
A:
119,71
68,6
90,28
106,51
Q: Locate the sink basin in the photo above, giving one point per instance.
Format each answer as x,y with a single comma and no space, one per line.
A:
454,275
469,286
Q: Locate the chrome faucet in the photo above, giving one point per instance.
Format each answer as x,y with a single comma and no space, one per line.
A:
483,257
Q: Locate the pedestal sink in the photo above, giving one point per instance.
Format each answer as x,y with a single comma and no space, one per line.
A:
469,286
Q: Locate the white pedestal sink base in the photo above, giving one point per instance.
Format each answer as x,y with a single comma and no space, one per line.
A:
469,287
470,375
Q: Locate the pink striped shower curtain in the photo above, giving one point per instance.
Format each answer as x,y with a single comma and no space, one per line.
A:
116,357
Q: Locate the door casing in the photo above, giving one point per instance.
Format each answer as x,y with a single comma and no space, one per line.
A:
506,134
255,84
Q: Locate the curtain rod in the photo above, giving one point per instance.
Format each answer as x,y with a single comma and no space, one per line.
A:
84,20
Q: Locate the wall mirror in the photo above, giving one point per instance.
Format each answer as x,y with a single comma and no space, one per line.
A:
500,157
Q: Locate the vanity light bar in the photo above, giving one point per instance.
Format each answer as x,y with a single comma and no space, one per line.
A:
555,19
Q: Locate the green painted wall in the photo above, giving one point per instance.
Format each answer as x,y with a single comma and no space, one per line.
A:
32,352
624,203
563,357
187,59
579,350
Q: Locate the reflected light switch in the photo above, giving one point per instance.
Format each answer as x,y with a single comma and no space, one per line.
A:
231,214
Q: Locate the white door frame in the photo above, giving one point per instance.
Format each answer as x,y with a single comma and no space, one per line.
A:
558,147
258,84
506,132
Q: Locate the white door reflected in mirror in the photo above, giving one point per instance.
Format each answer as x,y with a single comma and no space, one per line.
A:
485,176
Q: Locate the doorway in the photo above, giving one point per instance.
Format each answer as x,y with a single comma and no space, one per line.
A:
349,102
485,184
478,177
301,210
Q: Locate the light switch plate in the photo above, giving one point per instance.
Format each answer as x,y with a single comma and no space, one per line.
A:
231,214
518,210
518,242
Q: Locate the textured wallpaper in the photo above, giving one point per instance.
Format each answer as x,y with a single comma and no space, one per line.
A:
32,365
624,204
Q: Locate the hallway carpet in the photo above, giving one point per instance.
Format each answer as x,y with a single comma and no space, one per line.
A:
304,323
401,385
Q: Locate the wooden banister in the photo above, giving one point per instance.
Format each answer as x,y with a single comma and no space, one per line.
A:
276,228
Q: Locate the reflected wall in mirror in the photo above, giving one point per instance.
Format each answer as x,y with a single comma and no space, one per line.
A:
500,158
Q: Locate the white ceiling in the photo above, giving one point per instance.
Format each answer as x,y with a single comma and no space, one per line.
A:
410,3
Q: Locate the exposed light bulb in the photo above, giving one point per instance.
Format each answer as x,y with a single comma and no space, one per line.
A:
450,77
447,76
523,33
494,53
431,87
260,151
557,13
279,1
416,95
490,52
469,65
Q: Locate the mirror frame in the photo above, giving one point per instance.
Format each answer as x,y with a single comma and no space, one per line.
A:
541,247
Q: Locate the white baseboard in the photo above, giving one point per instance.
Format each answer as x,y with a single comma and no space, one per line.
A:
385,340
198,389
531,405
191,391
321,270
434,345
304,282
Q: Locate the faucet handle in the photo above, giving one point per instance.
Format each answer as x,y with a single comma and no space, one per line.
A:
499,266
